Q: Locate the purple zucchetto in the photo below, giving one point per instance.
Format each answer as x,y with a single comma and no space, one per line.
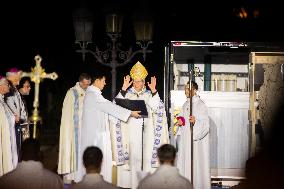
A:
12,71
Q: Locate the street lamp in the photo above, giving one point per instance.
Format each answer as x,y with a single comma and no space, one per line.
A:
113,56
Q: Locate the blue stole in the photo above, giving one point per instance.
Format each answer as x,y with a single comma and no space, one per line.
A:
121,155
158,134
76,122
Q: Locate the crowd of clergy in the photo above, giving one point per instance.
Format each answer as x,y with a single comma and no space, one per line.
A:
104,145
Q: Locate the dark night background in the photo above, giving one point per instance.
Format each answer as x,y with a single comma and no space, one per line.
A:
46,28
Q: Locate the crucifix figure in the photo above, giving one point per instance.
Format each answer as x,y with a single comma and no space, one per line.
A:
37,75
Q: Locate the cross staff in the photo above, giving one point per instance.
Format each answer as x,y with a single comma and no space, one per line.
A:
37,75
192,73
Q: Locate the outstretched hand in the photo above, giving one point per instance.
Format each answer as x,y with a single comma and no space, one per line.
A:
152,85
126,82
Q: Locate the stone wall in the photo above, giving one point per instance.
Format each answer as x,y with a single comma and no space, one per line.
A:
271,93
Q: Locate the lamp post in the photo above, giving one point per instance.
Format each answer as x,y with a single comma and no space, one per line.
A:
113,56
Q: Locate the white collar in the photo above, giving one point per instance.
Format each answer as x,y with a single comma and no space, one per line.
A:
140,92
195,98
77,86
94,89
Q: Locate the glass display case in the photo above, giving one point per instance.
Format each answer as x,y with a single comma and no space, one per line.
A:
223,74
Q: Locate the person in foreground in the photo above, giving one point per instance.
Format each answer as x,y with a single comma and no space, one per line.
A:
16,104
30,173
167,175
92,159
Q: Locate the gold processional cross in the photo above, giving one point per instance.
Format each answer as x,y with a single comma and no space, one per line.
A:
37,75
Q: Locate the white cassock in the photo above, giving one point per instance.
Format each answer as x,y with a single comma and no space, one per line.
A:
95,127
165,177
201,155
8,147
70,132
155,134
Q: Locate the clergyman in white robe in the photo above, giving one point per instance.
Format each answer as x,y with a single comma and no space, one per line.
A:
201,155
134,158
8,147
95,127
70,130
16,105
128,173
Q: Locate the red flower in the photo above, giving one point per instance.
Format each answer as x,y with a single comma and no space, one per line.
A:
182,120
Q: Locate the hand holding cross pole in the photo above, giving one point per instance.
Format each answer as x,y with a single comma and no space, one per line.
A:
193,72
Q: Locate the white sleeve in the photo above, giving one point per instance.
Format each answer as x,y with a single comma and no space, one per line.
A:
113,110
11,103
201,126
154,101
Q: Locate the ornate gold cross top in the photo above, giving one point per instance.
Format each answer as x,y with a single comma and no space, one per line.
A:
37,75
